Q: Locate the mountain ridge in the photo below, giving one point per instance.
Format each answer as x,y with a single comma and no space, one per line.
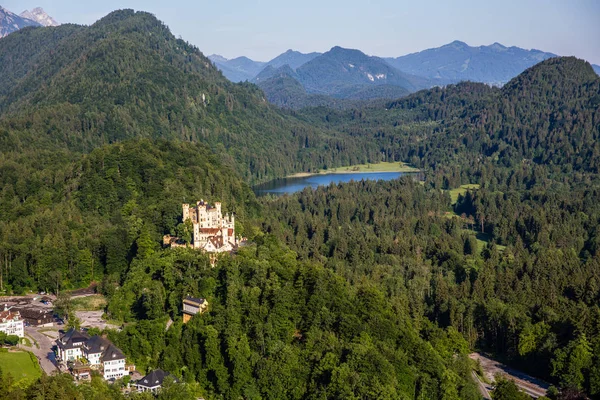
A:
40,16
494,64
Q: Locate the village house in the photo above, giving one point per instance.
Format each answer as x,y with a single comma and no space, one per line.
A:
11,322
86,353
193,306
211,233
153,381
36,316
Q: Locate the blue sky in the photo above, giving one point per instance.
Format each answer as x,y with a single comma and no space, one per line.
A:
262,29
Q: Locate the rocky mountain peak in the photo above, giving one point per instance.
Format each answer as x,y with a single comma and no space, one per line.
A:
40,16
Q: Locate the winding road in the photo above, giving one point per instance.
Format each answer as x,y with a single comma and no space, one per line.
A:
44,353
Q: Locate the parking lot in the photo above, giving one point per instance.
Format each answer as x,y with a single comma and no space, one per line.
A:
93,319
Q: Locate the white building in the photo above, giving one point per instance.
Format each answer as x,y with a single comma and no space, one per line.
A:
11,323
99,353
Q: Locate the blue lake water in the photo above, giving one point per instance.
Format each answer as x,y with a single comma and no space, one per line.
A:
293,185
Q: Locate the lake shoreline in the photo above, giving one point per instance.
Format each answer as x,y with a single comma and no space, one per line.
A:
360,169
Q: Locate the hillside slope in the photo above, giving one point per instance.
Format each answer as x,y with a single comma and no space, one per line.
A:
125,77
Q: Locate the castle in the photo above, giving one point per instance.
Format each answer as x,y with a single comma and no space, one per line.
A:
211,232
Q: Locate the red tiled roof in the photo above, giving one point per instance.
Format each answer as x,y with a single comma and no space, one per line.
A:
210,231
9,315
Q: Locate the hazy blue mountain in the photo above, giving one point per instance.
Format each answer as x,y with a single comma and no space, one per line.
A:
494,64
596,68
292,58
339,71
243,69
11,22
339,74
271,71
237,69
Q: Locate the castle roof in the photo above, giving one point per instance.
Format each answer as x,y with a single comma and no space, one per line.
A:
210,231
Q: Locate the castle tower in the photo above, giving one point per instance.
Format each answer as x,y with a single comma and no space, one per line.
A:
218,207
186,212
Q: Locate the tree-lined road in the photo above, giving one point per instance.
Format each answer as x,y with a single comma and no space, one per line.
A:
530,385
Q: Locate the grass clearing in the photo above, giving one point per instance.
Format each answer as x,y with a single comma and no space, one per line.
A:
379,167
462,189
95,302
25,341
22,366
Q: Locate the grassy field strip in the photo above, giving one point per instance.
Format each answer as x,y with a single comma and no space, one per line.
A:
22,366
363,168
462,189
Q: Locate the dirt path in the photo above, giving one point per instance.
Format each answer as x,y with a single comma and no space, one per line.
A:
530,385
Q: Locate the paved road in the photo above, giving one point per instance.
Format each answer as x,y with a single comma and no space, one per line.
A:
530,385
44,354
484,388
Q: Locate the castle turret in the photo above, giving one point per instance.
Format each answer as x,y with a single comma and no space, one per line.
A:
186,212
218,207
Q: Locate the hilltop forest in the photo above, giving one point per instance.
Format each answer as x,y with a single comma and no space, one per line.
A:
361,290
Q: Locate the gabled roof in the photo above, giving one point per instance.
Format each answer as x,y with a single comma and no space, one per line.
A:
112,354
154,378
35,313
73,336
97,344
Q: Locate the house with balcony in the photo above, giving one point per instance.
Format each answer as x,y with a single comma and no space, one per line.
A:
82,353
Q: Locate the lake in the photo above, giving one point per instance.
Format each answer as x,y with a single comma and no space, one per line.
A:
293,185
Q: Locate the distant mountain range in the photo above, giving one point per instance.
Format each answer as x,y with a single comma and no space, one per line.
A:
494,64
244,69
11,22
350,74
339,73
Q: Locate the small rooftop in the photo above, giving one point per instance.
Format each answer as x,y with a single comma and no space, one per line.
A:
154,378
195,300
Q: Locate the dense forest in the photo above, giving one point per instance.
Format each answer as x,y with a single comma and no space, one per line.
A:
360,290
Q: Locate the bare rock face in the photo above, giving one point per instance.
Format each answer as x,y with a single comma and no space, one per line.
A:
10,22
40,16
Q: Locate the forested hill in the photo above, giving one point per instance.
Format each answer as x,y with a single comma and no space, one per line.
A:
127,77
549,115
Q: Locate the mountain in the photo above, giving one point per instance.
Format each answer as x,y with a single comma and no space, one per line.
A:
285,88
40,16
494,64
271,71
521,123
10,22
238,69
126,77
244,69
292,58
340,71
596,68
